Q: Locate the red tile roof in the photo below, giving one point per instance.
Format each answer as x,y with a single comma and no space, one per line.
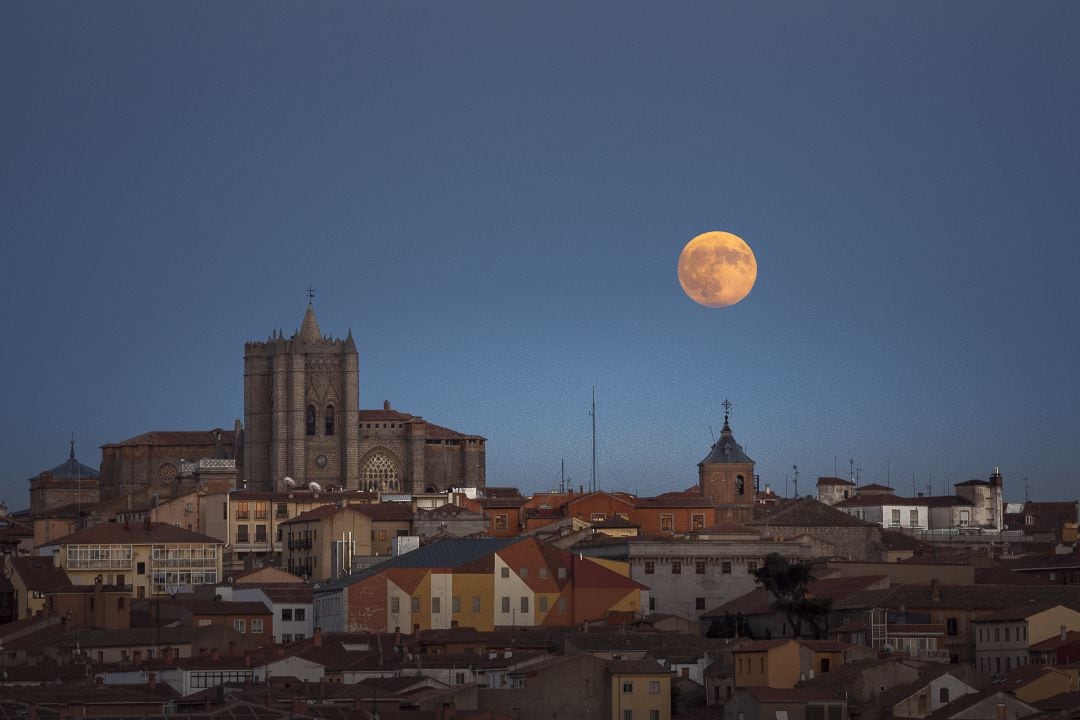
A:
178,437
385,511
132,534
40,573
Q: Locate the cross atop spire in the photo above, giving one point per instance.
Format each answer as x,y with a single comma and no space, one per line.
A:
71,455
310,294
727,409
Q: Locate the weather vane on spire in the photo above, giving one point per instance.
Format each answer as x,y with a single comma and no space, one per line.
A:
310,294
727,408
71,455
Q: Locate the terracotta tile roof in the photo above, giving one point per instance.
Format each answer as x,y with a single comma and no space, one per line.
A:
947,501
973,597
502,492
875,488
825,645
834,481
179,437
1053,643
637,667
805,512
40,573
762,645
728,528
680,501
385,511
386,414
588,574
224,607
319,513
133,534
438,432
793,695
1018,612
291,593
876,499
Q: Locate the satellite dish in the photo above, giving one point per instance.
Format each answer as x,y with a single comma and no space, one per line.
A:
314,486
289,482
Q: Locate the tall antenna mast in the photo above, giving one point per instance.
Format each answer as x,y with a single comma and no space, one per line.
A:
593,414
562,476
796,469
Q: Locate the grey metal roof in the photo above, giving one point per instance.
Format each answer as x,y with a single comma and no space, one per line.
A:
73,469
445,553
726,450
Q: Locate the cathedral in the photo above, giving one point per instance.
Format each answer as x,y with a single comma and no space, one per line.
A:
303,424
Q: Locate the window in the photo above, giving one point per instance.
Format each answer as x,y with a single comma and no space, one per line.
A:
965,517
309,420
654,687
414,604
650,568
436,605
140,568
476,604
951,627
523,573
562,606
676,567
239,625
241,533
298,614
257,627
260,533
329,419
652,603
943,696
627,714
286,614
380,535
627,686
751,567
697,521
395,605
654,714
562,573
896,516
504,572
997,634
596,517
242,512
699,603
525,604
501,522
667,523
261,510
725,567
1007,629
740,485
379,474
505,600
282,510
825,665
542,572
699,567
543,601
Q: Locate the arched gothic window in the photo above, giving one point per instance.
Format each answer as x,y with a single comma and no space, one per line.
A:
329,419
309,420
379,474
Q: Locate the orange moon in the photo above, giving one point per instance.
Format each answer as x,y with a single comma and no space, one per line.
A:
717,269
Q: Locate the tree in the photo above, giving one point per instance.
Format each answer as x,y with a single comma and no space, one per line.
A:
788,582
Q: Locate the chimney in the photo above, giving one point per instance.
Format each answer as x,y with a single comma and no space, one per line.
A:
316,637
935,590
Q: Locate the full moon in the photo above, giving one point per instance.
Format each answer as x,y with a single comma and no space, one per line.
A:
717,269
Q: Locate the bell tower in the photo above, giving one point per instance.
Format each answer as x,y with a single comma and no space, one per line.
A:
301,408
726,476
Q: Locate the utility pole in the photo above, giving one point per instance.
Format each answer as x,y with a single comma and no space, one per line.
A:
593,414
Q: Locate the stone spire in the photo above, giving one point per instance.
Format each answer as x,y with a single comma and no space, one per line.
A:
309,329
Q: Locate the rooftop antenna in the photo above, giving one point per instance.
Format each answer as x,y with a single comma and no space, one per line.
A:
796,469
562,477
835,472
913,493
592,413
712,435
1025,490
851,469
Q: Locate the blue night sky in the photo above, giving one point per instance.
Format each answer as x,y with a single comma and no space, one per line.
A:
494,195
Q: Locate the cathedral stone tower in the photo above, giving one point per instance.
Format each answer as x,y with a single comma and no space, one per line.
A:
301,409
726,476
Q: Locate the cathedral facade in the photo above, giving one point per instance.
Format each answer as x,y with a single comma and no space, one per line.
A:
302,421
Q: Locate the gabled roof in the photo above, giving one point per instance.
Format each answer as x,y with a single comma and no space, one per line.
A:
824,481
875,488
386,511
1019,612
879,499
224,607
